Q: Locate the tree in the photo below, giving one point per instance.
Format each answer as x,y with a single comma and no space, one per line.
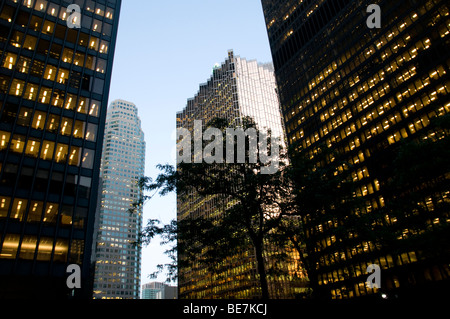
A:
257,202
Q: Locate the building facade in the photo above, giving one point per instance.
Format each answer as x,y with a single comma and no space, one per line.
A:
54,86
117,257
159,290
237,88
362,91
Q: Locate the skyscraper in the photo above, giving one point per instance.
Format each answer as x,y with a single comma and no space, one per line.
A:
117,257
236,89
159,290
54,86
361,91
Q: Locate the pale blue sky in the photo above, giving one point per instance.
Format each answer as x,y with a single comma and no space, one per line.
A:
164,50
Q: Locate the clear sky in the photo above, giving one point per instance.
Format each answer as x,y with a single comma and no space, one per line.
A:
164,50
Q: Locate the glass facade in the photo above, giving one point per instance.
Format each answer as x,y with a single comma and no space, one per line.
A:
54,85
237,88
361,91
117,258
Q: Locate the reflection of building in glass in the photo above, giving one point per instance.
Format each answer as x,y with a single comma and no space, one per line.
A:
361,91
237,88
159,290
117,258
54,84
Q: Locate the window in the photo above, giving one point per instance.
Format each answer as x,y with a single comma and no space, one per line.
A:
83,38
31,92
79,59
95,108
7,13
88,158
61,153
66,215
66,126
70,102
74,156
52,123
97,25
79,217
52,9
4,206
83,103
47,150
9,60
48,27
98,85
10,246
104,47
50,73
79,129
17,143
93,43
101,65
91,132
32,148
51,213
44,95
18,209
16,87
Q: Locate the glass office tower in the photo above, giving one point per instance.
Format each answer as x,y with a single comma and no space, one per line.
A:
236,89
54,86
361,92
117,258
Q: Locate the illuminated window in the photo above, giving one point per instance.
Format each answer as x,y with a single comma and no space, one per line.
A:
95,108
79,128
32,148
70,102
75,156
66,126
4,206
104,47
93,43
61,153
63,75
44,95
18,209
4,140
38,120
51,213
47,150
17,143
35,211
50,73
10,246
9,60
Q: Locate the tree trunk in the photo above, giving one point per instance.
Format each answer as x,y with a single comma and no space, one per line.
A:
261,271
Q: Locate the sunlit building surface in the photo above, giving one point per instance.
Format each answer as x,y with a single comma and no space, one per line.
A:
117,257
54,85
361,91
237,88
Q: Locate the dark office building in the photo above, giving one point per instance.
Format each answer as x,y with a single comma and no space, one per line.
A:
54,86
364,92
